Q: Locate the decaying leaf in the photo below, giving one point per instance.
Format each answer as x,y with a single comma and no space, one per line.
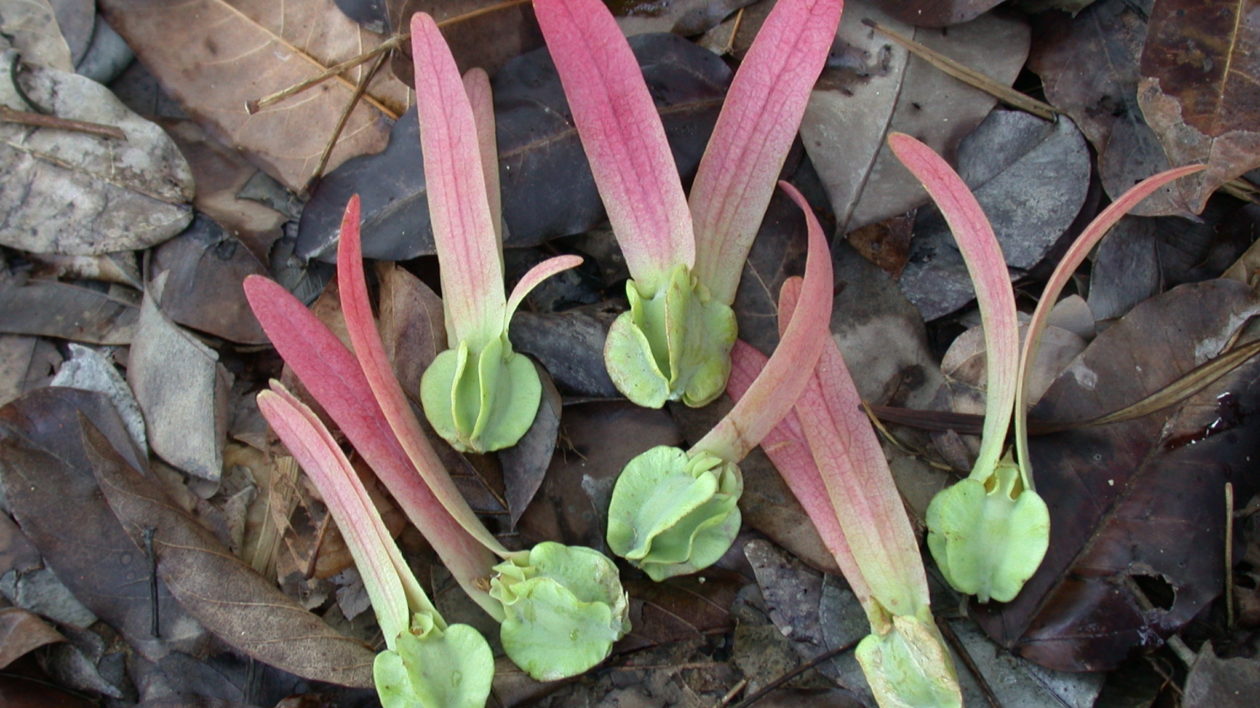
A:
1137,508
1221,682
25,363
1199,89
183,391
74,193
224,594
89,370
873,86
22,632
937,13
547,187
215,55
1031,178
32,27
52,309
45,471
203,269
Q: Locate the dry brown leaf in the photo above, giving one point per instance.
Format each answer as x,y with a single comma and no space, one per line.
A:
215,55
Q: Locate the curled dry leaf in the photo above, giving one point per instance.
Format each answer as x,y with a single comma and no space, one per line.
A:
127,194
874,86
1199,89
183,391
236,51
1138,507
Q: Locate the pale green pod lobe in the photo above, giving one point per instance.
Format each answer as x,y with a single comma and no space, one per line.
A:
908,666
480,401
674,513
989,537
564,608
432,668
674,344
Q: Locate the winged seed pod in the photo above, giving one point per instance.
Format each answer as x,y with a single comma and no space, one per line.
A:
675,512
826,451
685,258
426,662
479,395
359,392
990,531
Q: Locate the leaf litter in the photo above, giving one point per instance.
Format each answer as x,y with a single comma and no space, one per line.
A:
1116,583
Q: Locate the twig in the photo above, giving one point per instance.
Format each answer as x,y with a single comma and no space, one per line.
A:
1229,555
40,120
343,120
385,47
967,75
766,689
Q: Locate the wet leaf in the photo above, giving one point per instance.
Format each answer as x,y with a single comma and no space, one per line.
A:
229,599
45,470
203,270
52,309
937,13
183,391
1137,508
547,187
1199,89
255,49
128,194
22,632
873,86
1031,178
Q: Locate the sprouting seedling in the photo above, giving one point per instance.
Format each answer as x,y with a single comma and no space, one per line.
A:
560,607
990,531
675,511
426,661
479,395
685,258
827,452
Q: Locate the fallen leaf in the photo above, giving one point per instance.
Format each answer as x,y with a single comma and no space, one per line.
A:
77,21
369,13
1220,682
22,632
546,183
183,390
689,607
480,33
51,309
121,268
203,269
1198,89
873,86
25,363
525,464
242,50
88,370
937,13
597,439
229,599
1137,508
127,194
684,17
223,178
19,692
1031,178
412,324
570,346
32,27
45,470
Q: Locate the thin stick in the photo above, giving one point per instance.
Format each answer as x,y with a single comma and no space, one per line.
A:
967,75
343,120
40,120
761,692
1229,555
385,47
154,625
